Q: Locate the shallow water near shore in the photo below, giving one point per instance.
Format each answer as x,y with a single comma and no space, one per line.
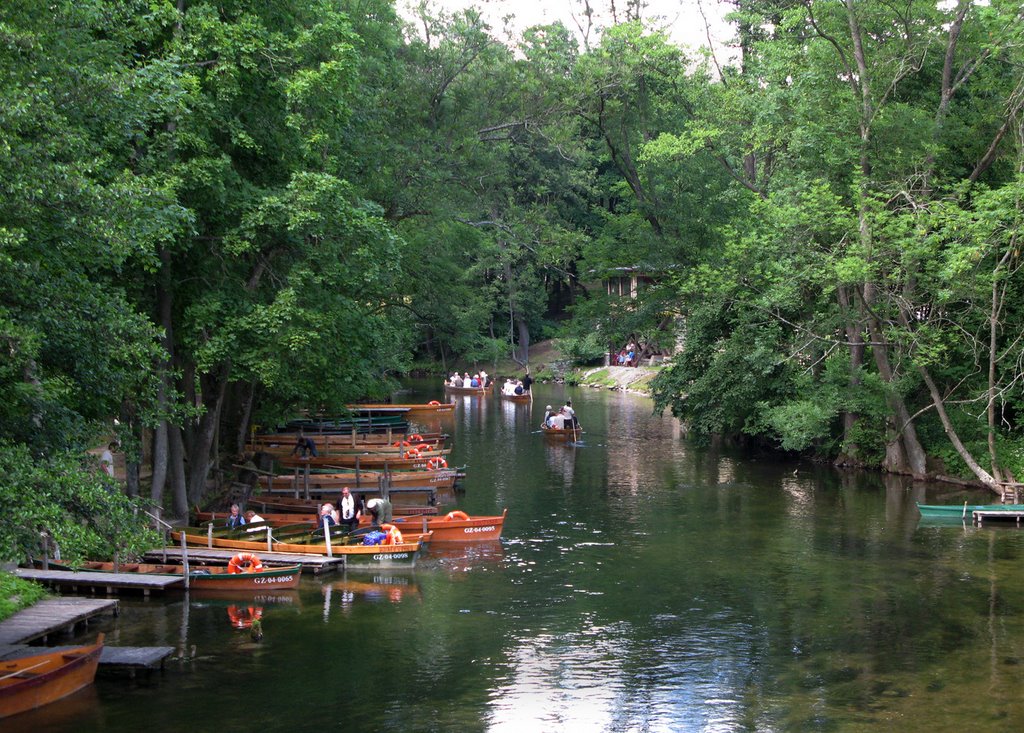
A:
642,584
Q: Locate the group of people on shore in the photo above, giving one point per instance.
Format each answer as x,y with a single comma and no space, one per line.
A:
563,418
627,355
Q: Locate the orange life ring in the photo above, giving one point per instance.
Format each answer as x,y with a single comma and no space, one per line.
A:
424,446
451,516
243,618
416,438
433,402
437,462
394,535
412,453
245,562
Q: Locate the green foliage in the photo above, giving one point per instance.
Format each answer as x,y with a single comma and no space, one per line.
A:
73,502
16,594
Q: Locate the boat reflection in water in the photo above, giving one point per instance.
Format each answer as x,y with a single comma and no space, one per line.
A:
377,589
242,617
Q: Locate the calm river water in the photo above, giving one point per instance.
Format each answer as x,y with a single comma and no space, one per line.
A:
642,584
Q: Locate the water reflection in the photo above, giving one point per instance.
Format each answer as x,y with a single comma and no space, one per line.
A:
346,592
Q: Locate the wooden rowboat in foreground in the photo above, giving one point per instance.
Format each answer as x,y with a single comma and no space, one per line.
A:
31,682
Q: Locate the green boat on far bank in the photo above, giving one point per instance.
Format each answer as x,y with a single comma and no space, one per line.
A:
963,511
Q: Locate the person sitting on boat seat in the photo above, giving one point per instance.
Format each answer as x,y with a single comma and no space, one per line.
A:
252,517
235,518
327,515
380,511
509,387
304,446
518,388
456,380
467,380
547,415
475,381
557,421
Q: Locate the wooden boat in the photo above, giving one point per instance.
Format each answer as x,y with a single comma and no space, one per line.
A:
455,527
449,389
371,557
433,407
519,399
561,433
31,682
303,512
210,577
368,460
365,481
352,439
962,511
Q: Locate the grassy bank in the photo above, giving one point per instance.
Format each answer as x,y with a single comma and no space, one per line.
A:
16,594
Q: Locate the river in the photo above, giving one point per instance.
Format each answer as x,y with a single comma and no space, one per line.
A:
642,584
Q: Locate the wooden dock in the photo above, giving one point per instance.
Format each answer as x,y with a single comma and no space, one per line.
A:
1002,515
109,583
315,564
115,658
51,616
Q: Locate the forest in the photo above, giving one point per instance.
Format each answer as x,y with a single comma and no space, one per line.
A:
214,214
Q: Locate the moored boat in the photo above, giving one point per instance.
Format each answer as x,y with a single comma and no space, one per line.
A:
235,576
455,527
31,682
432,407
417,462
963,511
402,554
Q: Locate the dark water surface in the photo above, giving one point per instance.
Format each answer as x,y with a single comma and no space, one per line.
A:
642,584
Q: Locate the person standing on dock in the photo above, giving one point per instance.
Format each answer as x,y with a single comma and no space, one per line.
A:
347,510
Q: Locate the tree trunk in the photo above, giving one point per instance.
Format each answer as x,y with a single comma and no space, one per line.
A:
176,449
854,336
199,455
524,341
132,478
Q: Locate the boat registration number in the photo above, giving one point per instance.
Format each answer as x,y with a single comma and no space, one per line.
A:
273,579
472,530
391,556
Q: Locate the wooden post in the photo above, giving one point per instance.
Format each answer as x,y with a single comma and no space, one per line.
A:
46,550
353,435
295,482
327,537
270,539
209,535
305,482
184,557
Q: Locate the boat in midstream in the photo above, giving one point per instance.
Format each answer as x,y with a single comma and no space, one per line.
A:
963,511
478,391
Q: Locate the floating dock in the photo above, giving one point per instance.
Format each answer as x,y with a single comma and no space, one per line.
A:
315,564
128,659
98,582
1001,515
52,616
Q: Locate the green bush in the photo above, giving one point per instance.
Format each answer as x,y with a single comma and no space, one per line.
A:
16,594
71,500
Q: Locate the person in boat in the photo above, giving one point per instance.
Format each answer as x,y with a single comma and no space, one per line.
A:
548,412
347,514
483,378
380,511
527,381
556,420
475,381
518,388
467,380
235,518
252,517
327,515
508,386
570,415
304,446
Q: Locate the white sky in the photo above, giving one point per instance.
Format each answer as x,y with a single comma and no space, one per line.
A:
682,18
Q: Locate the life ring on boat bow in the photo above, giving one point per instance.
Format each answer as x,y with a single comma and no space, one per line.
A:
394,535
412,453
415,438
433,402
451,516
435,463
245,562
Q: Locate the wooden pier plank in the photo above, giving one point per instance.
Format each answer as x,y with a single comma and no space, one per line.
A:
310,563
52,615
110,581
